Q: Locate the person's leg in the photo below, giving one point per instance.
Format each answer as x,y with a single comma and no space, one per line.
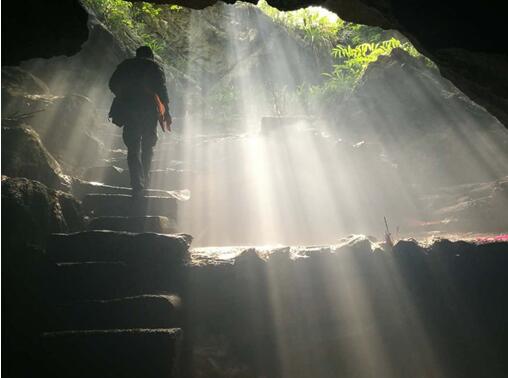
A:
132,139
148,143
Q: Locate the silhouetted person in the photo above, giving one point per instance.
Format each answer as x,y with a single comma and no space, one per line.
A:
135,83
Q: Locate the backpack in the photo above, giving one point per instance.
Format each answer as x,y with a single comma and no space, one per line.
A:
117,112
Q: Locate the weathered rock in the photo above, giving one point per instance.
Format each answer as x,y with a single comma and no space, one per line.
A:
142,311
136,249
23,96
418,112
23,155
72,211
18,82
65,123
67,128
412,105
157,224
151,353
125,205
472,208
32,211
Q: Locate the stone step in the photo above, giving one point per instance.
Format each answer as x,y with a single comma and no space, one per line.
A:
157,224
107,246
107,174
81,188
116,176
125,205
167,178
93,280
90,280
147,353
141,311
160,163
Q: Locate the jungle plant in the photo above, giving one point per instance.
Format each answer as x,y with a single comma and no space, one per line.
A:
354,60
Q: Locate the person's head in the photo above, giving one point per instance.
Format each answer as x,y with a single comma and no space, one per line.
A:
144,52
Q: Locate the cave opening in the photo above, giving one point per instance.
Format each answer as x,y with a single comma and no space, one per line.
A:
345,203
290,127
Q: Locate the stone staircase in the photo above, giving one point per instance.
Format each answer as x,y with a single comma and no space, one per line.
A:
117,286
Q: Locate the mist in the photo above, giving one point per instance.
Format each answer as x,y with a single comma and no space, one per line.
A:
263,163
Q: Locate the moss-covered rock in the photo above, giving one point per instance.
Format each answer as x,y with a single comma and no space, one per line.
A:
24,155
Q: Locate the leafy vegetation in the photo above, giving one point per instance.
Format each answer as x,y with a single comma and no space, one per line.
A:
350,48
354,60
132,20
353,47
317,29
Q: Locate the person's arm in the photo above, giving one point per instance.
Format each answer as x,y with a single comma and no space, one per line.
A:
116,81
162,91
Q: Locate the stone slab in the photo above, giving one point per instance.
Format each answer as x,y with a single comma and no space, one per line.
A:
157,224
147,353
141,311
125,205
135,249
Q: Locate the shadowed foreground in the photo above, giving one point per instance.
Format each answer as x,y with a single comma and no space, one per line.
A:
111,302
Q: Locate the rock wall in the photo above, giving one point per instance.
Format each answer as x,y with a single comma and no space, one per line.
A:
349,310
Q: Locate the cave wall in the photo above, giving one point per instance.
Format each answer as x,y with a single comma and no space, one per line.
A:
42,29
466,41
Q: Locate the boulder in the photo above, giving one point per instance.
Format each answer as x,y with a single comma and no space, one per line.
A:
66,123
23,95
17,81
24,155
31,212
67,127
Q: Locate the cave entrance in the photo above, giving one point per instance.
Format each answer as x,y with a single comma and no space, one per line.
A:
297,127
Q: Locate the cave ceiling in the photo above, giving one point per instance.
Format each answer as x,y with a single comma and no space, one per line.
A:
466,40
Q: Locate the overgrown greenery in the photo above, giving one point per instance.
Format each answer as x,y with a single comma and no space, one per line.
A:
315,28
352,46
352,61
132,20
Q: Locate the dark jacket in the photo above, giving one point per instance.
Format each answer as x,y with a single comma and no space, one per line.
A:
135,81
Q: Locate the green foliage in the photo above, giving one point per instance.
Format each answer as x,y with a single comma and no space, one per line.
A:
116,13
314,27
352,61
134,20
